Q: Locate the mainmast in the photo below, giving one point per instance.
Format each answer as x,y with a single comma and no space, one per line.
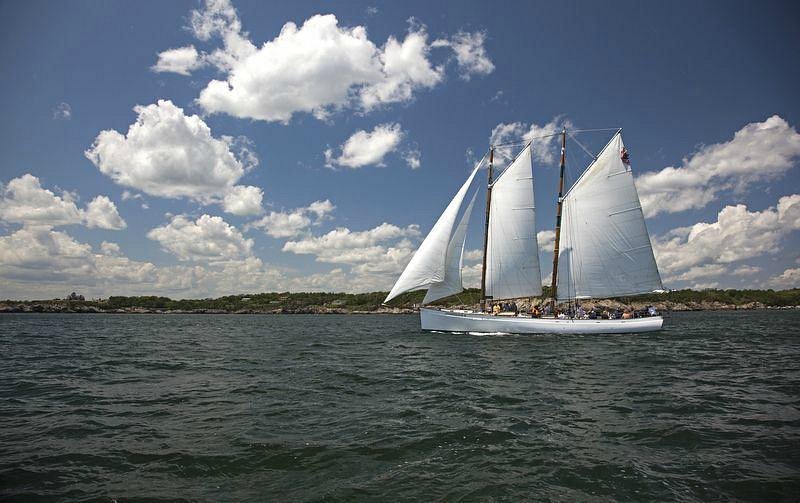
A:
554,285
486,229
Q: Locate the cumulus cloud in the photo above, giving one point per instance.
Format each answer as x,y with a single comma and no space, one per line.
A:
712,249
182,60
385,249
341,67
366,148
24,201
280,224
218,18
470,53
790,278
42,263
243,200
41,254
547,241
102,212
405,68
760,151
544,139
168,154
205,239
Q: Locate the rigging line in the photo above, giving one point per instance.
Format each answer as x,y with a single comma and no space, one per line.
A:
526,141
581,146
591,130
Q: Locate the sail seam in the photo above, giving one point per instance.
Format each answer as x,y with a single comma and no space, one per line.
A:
618,173
625,211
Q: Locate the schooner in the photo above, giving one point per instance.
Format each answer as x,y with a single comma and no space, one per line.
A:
602,248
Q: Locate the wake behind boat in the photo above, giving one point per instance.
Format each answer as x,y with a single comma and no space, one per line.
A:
602,248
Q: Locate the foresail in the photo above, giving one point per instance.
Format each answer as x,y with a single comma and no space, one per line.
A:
427,266
605,250
512,257
455,252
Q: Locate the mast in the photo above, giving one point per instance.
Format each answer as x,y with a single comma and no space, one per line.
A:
486,229
554,285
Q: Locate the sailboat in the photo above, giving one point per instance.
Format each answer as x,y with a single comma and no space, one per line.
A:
602,248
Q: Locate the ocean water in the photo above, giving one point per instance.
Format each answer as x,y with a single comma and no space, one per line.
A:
369,408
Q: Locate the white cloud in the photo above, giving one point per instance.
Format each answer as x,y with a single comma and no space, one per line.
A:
270,84
168,154
243,200
218,18
746,270
206,239
544,139
473,255
412,158
405,68
790,278
367,249
62,111
547,241
182,60
470,53
340,66
102,212
279,224
322,209
367,148
758,152
107,248
42,254
24,201
712,249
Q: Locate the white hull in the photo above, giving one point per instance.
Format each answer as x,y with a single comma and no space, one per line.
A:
462,321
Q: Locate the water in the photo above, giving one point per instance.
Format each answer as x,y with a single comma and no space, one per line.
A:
349,408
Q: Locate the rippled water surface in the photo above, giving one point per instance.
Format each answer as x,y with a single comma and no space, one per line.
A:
343,408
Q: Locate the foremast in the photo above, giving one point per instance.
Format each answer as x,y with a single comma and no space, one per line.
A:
554,284
486,228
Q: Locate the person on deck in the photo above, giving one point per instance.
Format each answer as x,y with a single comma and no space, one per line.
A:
496,309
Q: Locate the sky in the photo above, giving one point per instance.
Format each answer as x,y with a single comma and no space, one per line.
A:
203,148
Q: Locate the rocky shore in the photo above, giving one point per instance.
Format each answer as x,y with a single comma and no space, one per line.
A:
44,307
77,308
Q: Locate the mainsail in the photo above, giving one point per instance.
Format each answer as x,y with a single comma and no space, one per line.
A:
605,249
455,251
512,255
428,265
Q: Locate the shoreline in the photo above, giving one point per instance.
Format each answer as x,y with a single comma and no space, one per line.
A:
45,308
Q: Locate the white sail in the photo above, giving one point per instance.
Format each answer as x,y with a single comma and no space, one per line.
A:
512,257
453,262
605,249
427,266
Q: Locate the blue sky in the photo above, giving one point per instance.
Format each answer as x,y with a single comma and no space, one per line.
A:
224,186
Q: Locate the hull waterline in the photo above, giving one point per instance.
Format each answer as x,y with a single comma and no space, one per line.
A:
463,321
